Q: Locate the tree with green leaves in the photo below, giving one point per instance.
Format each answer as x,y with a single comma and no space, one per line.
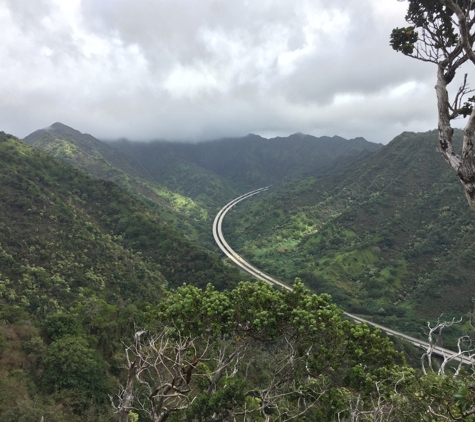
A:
252,353
442,32
71,368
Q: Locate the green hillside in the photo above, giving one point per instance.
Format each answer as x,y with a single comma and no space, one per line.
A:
100,161
216,170
392,237
81,263
64,234
84,265
186,184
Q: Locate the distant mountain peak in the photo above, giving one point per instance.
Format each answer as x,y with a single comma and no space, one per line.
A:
61,129
253,135
57,128
59,125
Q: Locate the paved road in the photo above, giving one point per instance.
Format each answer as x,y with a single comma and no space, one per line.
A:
244,265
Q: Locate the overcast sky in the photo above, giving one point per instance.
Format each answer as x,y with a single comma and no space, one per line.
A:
204,69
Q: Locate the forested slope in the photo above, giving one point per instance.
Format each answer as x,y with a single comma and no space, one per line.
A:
101,161
84,266
64,234
81,262
392,237
187,183
235,165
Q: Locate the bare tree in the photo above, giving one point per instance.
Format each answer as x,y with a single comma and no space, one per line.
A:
442,32
135,365
465,351
168,373
252,353
161,371
380,407
440,394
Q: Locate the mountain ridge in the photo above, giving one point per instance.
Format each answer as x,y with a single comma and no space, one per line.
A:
390,237
63,233
101,161
244,163
187,183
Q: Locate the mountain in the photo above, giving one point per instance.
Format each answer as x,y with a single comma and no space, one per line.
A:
65,235
392,237
82,264
84,151
101,161
242,163
186,184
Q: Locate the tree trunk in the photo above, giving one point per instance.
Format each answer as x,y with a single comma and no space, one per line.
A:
464,166
127,396
467,169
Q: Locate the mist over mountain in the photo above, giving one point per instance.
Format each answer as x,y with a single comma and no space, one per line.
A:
187,183
79,149
244,163
101,161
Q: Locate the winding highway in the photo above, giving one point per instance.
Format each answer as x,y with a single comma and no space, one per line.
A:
233,256
250,269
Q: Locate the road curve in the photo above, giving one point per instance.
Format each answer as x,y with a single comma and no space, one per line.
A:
250,269
228,251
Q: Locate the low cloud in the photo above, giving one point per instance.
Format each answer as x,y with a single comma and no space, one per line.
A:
185,69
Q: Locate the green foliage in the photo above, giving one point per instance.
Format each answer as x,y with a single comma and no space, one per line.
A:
80,238
103,162
11,314
220,404
74,261
382,238
71,366
185,184
286,348
89,264
426,14
467,107
403,39
261,312
60,324
214,172
3,343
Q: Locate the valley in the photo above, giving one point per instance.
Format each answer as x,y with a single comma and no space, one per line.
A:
387,239
383,229
97,237
237,211
259,275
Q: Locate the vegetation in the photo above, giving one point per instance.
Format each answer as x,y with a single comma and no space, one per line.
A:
100,297
67,234
257,353
442,32
81,261
105,163
253,352
389,238
186,184
217,171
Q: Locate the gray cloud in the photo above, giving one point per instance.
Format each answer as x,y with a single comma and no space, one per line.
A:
189,69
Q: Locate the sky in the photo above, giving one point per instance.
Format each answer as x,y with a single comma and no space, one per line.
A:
205,69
